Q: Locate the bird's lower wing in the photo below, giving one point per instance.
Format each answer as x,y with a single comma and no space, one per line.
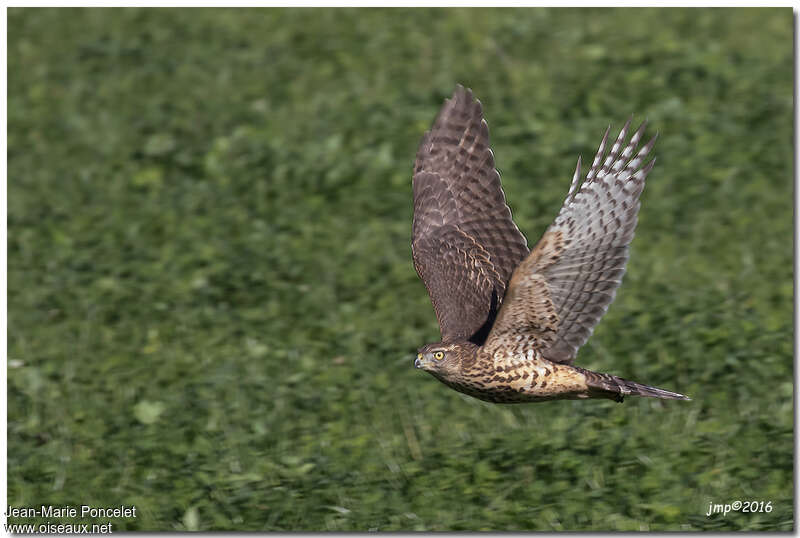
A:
462,281
561,290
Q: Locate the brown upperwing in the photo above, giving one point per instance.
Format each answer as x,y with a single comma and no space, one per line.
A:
465,244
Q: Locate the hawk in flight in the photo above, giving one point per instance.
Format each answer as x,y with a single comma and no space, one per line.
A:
512,319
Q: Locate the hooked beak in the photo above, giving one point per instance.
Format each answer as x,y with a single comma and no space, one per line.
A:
418,362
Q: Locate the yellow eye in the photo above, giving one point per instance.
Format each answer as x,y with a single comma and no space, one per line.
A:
438,355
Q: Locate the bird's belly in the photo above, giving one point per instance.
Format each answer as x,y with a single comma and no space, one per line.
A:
522,379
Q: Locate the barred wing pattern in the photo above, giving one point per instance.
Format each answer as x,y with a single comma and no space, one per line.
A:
464,242
563,288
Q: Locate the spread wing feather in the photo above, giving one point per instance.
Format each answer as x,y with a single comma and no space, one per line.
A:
562,289
464,242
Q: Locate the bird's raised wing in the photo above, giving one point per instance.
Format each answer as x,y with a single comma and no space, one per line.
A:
561,290
464,243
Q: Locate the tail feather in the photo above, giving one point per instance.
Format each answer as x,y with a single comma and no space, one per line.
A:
616,388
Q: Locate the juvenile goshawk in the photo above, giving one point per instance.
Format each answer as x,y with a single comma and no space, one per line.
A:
511,319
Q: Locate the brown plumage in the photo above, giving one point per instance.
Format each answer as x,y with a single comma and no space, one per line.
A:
511,319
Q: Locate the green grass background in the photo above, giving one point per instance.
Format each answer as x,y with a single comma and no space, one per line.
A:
212,306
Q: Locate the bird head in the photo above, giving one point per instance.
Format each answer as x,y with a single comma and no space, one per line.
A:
440,359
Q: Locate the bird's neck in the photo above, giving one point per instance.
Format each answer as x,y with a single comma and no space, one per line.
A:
471,358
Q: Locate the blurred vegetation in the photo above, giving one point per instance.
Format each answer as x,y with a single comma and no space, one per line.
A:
212,306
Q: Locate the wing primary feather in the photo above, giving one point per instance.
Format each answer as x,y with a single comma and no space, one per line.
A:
641,174
636,161
628,151
612,155
576,179
598,156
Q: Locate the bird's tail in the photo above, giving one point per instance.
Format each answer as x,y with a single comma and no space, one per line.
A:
615,388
